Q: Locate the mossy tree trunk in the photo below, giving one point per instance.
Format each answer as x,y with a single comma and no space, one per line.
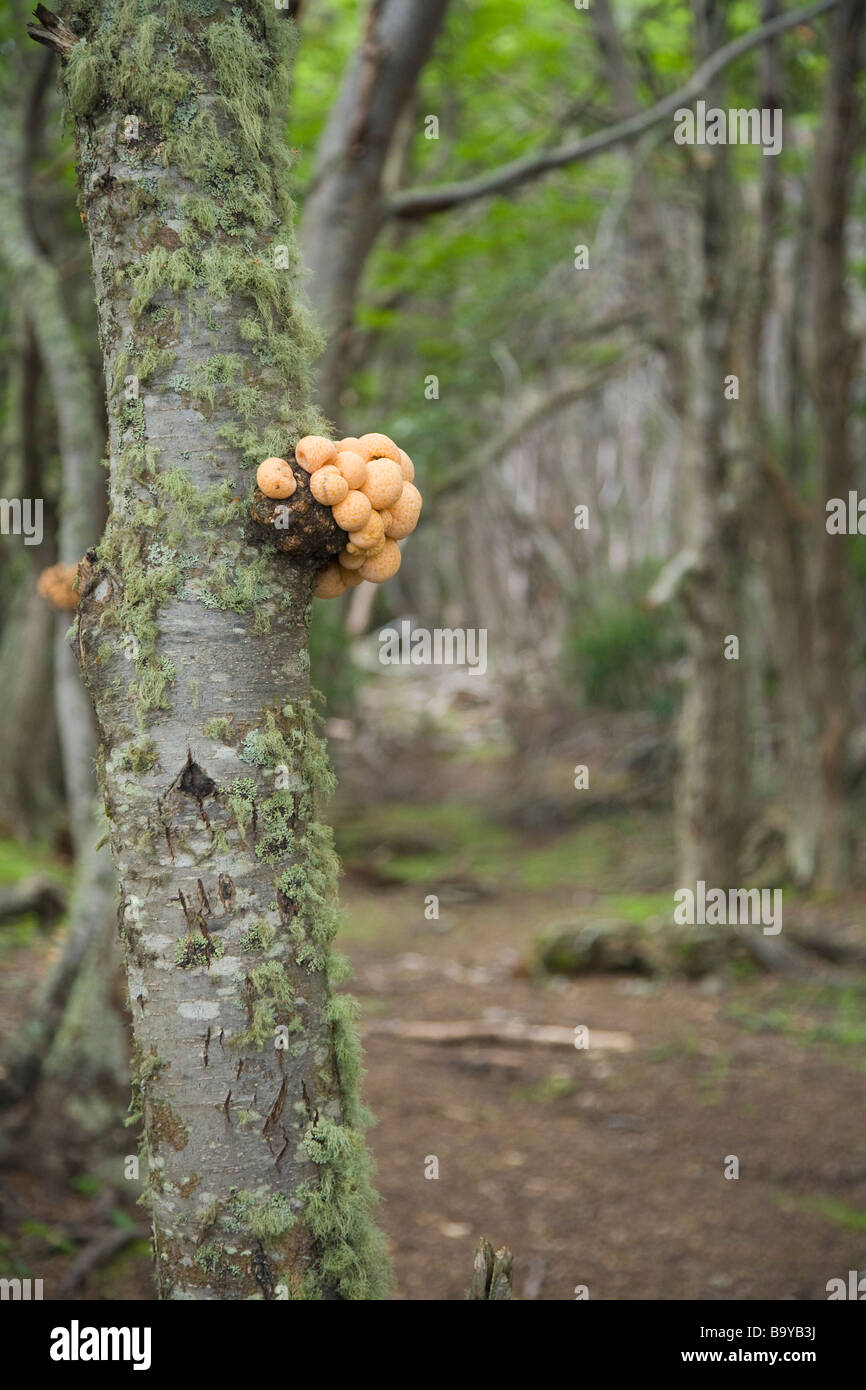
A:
192,638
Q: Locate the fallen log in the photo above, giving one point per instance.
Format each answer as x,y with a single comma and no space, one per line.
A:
39,895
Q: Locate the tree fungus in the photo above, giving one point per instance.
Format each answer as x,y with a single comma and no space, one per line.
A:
351,502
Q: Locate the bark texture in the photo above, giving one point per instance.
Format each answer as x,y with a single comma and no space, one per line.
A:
192,638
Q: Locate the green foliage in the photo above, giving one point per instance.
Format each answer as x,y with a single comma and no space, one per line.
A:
620,655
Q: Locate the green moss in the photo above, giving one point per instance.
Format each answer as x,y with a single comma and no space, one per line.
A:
259,937
192,951
242,799
237,587
277,828
154,684
353,1258
267,747
213,1261
268,999
83,79
341,1013
220,728
265,1218
140,757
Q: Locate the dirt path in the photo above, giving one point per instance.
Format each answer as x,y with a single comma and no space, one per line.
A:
608,1171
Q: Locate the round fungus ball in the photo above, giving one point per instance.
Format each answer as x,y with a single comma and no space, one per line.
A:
405,513
331,582
314,451
351,578
353,512
407,467
382,566
375,549
275,478
379,446
367,535
352,559
328,485
352,444
384,482
353,466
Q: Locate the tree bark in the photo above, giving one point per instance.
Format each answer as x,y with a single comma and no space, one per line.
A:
192,638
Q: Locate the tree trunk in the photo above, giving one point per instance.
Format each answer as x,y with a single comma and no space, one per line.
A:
192,637
345,210
832,365
87,1068
29,784
713,785
778,514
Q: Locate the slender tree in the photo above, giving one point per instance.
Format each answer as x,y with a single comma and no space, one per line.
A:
345,208
832,366
192,638
713,781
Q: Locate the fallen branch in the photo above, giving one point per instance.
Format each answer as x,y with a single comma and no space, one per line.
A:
101,1249
38,895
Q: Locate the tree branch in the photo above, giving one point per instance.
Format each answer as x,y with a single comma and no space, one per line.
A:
422,202
52,32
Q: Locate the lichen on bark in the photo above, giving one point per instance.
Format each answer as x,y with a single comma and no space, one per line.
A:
192,637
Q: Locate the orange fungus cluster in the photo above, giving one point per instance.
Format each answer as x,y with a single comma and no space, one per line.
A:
369,485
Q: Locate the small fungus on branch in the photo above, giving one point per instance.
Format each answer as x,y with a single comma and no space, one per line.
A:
56,584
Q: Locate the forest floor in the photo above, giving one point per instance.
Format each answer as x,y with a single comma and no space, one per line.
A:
599,1168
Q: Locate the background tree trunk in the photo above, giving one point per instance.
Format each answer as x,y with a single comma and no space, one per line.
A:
85,1055
713,790
345,209
833,356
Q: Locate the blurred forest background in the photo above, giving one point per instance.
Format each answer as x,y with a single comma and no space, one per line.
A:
443,263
